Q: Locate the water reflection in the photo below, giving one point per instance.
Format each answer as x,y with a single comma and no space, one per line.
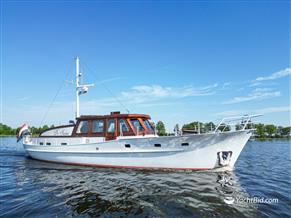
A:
31,188
113,192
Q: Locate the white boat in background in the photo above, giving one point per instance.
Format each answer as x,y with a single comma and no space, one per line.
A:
130,141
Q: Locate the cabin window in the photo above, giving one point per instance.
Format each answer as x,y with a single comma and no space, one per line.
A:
149,126
98,126
136,124
111,126
83,127
122,125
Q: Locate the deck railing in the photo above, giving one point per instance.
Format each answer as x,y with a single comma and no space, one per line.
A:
239,122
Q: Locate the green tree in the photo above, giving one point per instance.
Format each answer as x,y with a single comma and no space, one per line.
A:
6,130
286,131
209,127
270,129
161,128
192,126
260,130
41,129
224,127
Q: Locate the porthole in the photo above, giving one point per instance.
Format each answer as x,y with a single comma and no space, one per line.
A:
157,145
127,145
185,144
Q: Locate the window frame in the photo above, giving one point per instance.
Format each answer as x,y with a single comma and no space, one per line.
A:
143,132
79,125
107,126
149,131
98,133
127,133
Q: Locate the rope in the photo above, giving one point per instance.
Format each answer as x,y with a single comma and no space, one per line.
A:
53,100
106,88
64,81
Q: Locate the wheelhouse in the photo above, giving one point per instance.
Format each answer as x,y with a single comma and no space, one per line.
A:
113,125
108,126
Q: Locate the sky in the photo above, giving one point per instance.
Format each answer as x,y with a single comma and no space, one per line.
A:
176,61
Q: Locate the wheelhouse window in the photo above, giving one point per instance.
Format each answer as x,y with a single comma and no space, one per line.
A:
122,125
111,126
136,124
83,127
98,126
148,126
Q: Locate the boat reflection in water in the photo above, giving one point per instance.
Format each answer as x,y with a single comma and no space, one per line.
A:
74,190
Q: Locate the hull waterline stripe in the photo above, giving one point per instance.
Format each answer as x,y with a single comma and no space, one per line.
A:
108,152
124,167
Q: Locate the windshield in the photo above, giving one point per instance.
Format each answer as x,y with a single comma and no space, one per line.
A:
149,126
136,124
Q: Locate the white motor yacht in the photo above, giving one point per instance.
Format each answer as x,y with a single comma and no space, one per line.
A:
126,140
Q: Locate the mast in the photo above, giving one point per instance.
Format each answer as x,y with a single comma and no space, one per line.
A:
80,89
77,87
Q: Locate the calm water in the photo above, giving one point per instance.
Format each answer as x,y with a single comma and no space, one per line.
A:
31,188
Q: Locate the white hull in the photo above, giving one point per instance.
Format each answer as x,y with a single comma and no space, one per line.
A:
199,154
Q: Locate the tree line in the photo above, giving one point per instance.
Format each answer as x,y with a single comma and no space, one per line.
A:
7,130
261,130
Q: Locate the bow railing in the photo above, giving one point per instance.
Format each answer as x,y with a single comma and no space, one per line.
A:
239,122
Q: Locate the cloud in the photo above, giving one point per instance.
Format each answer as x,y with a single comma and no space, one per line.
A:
254,84
255,95
156,91
254,111
147,96
143,96
276,75
226,85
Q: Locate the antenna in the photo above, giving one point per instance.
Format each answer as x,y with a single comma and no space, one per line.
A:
80,89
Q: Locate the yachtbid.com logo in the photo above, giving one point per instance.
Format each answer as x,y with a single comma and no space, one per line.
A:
250,200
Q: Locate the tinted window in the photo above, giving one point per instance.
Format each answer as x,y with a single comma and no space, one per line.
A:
111,126
136,125
98,126
122,125
149,126
83,127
